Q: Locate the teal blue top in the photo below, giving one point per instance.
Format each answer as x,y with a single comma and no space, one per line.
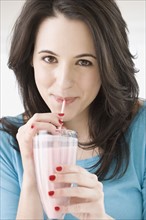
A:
125,198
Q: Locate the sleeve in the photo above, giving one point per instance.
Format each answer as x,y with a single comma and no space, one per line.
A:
143,158
138,148
9,184
140,137
140,161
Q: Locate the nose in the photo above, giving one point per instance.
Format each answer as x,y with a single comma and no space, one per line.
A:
64,76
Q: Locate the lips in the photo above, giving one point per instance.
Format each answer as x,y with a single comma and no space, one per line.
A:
68,100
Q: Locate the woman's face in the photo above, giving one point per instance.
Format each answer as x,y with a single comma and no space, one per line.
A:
65,66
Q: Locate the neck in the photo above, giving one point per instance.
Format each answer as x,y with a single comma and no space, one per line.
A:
80,125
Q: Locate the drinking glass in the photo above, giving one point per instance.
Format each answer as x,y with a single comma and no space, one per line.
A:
49,152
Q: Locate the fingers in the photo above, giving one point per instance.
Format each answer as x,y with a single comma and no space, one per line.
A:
45,121
84,203
44,126
24,137
79,192
85,210
86,187
80,208
85,196
75,174
72,169
79,179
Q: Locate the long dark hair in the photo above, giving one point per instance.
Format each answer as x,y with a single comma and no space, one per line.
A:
112,110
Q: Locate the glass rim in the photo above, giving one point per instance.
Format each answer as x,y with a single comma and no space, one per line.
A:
60,132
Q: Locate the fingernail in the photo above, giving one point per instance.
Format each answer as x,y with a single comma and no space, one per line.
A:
57,208
32,126
61,114
59,168
52,177
51,193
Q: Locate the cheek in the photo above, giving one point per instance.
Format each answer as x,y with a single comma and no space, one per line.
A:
96,84
92,83
42,78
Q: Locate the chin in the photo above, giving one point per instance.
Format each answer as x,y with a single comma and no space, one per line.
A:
69,118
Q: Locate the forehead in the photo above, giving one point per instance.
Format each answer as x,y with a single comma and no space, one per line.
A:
63,32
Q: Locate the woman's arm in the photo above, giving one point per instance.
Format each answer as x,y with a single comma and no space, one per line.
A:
9,184
29,203
144,196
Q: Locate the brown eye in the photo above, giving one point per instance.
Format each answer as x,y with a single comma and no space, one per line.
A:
49,59
84,63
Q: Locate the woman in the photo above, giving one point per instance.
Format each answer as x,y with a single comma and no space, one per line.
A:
76,51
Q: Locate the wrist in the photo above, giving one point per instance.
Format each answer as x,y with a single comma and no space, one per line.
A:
29,180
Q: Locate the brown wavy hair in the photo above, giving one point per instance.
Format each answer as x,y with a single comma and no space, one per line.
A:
112,110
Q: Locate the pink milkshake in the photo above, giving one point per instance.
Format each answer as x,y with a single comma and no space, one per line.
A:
49,152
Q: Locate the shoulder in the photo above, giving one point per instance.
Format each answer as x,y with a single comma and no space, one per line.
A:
138,124
136,134
8,126
11,166
13,120
9,147
136,138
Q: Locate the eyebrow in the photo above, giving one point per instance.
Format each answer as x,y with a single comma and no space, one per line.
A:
78,56
86,55
48,51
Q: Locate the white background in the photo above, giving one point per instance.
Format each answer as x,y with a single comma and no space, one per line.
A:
133,12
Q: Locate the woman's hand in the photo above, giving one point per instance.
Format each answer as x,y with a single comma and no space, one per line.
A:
43,121
29,203
86,197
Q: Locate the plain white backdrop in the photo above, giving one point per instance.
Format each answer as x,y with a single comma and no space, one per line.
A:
133,12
